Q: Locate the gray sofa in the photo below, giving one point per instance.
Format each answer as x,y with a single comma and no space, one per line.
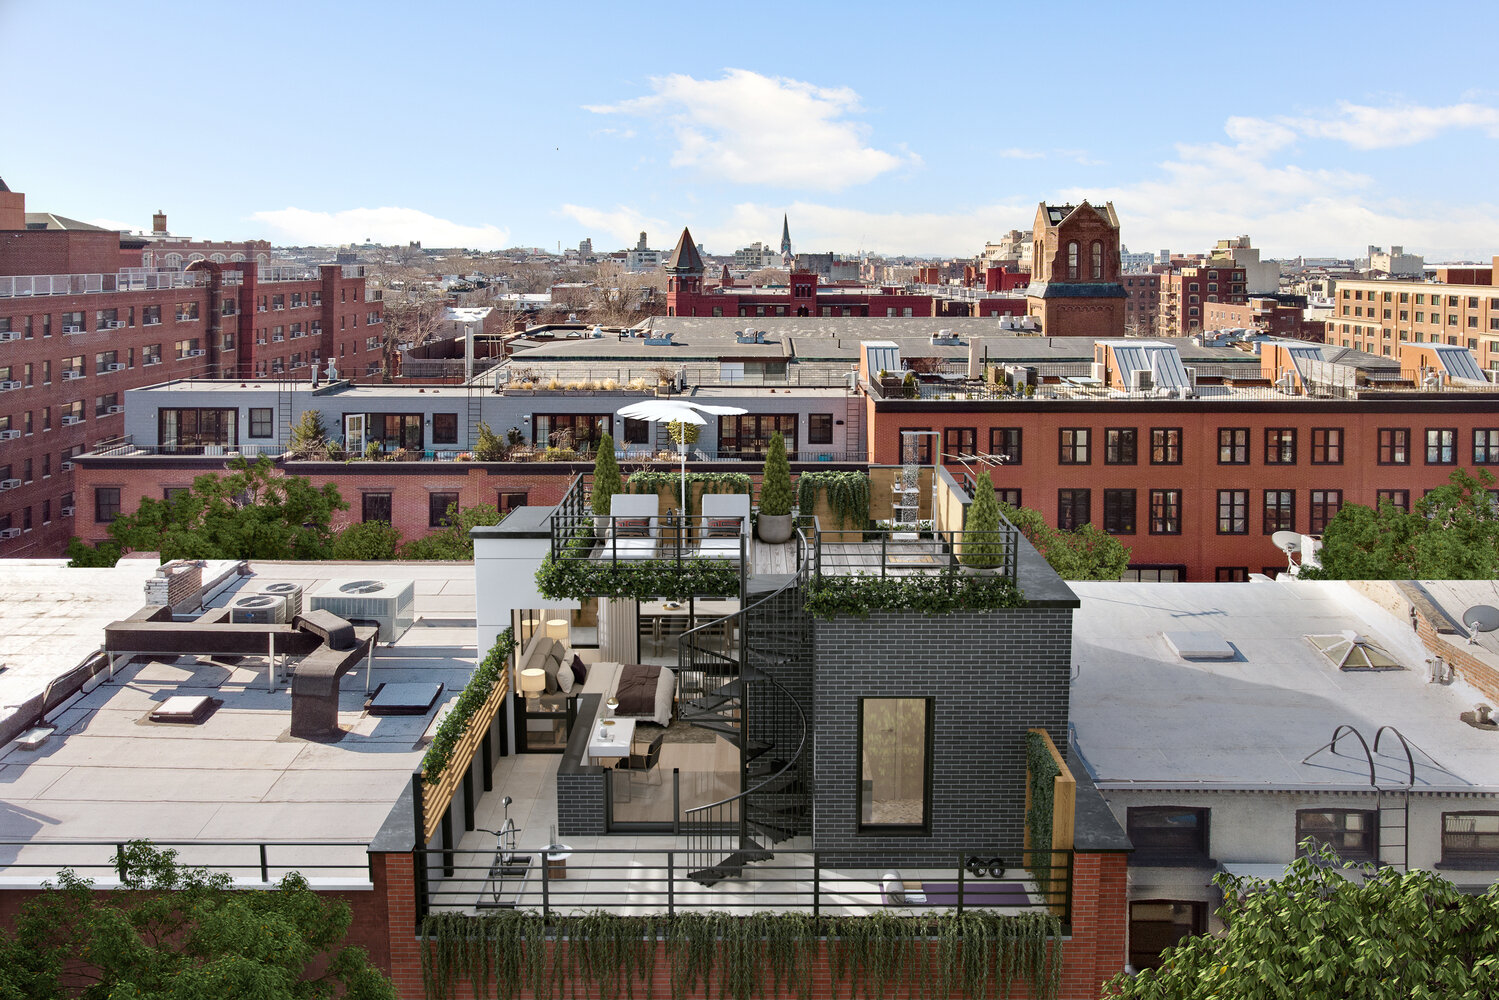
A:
554,658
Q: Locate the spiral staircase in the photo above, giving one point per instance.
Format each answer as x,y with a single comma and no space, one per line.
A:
747,677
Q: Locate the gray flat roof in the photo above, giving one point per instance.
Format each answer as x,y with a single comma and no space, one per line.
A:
1145,717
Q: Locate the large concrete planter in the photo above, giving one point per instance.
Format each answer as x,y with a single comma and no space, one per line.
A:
775,528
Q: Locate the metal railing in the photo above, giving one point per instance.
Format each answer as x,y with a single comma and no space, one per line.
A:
126,448
580,535
822,883
22,286
889,552
246,860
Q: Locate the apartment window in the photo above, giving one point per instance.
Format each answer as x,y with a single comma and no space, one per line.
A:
1120,445
511,499
444,428
895,753
1327,446
1165,446
260,421
1394,446
1348,832
1119,512
1233,512
1072,261
920,444
959,442
187,312
1231,574
1168,835
437,508
1470,839
1325,507
1441,446
1165,512
1233,446
1280,511
375,507
1006,496
104,404
106,504
1074,508
186,348
1398,498
1004,442
1073,446
1486,446
1280,446
819,428
750,433
1097,259
636,431
278,302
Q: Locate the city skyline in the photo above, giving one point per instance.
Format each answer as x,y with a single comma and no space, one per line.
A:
491,127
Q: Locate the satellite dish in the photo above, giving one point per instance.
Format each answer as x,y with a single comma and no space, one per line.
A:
1287,541
1480,618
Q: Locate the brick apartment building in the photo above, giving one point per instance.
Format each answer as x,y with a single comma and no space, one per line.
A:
165,249
1075,289
1186,294
1142,306
77,331
1460,308
1271,315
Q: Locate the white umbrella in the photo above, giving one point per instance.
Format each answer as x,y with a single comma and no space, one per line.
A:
681,411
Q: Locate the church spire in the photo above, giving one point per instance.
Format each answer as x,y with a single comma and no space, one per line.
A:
785,236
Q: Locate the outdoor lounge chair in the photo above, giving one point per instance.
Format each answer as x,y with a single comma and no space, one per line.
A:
726,524
634,526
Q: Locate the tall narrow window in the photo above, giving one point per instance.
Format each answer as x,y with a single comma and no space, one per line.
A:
1097,259
1119,512
1165,512
1233,512
895,787
1074,508
1072,260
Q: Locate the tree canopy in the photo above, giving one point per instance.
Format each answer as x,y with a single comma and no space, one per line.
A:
185,934
1333,930
452,541
1452,533
250,512
1083,553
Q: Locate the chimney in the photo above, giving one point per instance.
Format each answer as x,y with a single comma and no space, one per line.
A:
159,223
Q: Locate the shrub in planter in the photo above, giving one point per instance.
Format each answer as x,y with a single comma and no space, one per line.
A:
489,447
983,546
606,481
775,494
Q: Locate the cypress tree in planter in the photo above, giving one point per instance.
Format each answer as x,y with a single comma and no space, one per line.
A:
983,547
775,494
606,482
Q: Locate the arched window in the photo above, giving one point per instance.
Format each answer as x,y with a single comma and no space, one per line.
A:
174,260
1072,259
1097,259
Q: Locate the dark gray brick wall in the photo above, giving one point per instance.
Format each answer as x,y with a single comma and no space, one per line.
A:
582,809
992,676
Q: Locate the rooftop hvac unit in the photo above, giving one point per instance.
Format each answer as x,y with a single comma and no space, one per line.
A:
66,466
116,409
1141,380
116,367
70,420
10,334
291,593
195,354
71,373
258,609
389,604
117,324
1100,371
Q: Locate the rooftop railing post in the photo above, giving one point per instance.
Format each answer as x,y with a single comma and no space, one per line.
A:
961,872
676,802
546,885
671,883
265,868
816,885
884,550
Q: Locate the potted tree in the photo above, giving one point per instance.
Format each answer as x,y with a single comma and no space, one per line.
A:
606,483
775,495
983,546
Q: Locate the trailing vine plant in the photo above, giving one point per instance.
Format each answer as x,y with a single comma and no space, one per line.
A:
1041,772
474,695
937,593
847,493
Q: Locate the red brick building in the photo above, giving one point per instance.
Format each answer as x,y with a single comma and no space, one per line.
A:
1271,315
805,295
1379,315
1142,305
1187,293
1074,289
76,331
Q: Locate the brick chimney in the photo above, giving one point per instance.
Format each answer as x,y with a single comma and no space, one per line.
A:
12,208
159,223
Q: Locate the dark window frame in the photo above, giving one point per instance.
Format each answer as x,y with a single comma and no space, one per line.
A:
1435,445
953,439
1188,850
1237,508
819,428
1280,442
1327,446
1006,442
1069,501
1231,574
929,744
1121,446
1073,442
1166,511
1368,852
1287,520
1469,857
923,445
1399,498
1120,510
1392,442
438,517
1234,441
445,428
106,504
1486,453
1323,510
1163,450
376,499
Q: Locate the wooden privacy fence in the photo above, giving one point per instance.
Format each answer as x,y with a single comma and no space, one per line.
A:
1063,808
436,797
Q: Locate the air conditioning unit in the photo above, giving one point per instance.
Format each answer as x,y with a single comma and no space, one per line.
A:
71,373
9,435
9,384
196,354
116,324
9,484
1141,380
290,593
116,409
151,361
1100,371
11,533
67,511
389,604
72,329
258,609
66,467
10,335
116,367
70,420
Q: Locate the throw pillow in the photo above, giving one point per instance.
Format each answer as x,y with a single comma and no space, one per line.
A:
552,664
580,670
632,527
723,527
565,678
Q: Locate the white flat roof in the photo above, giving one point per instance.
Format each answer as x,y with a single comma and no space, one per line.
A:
1146,717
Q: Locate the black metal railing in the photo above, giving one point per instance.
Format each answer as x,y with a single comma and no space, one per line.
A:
243,860
823,883
889,552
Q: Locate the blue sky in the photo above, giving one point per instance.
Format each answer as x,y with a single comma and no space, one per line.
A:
874,127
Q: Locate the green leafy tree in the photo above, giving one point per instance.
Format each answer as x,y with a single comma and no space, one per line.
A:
184,934
775,482
452,541
309,438
370,541
489,447
251,512
681,431
1317,934
982,545
1082,553
606,478
1451,534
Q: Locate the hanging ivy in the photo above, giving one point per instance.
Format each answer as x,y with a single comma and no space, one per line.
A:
643,579
939,593
666,481
1042,772
474,695
847,493
977,954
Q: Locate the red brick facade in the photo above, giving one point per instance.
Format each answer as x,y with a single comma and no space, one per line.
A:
1186,295
1075,289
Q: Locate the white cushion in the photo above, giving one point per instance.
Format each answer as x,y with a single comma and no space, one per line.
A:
565,678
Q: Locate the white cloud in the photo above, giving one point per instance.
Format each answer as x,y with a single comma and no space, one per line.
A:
298,226
623,224
124,227
1021,154
753,129
819,228
1364,126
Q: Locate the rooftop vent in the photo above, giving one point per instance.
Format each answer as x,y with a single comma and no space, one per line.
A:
388,604
945,337
1199,645
182,709
1350,650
